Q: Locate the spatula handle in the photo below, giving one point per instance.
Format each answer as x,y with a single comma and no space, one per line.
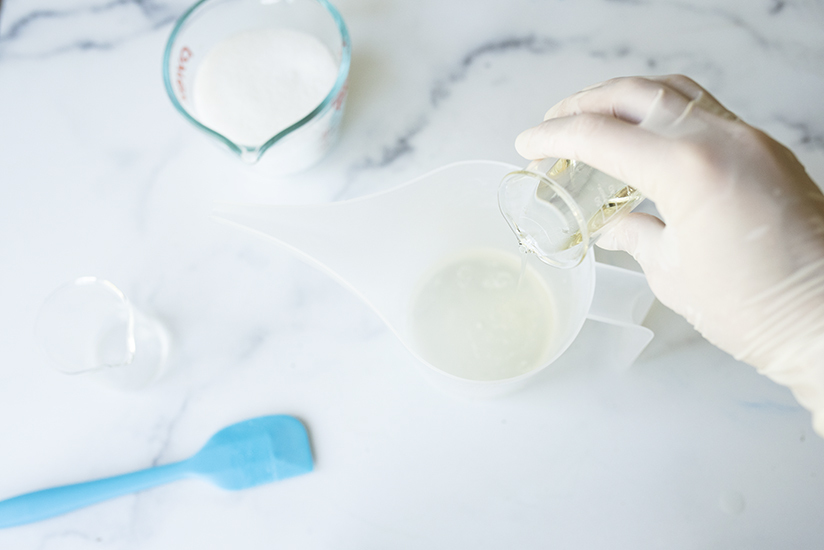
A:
60,500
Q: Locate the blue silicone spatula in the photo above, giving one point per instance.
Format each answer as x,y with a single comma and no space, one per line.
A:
249,453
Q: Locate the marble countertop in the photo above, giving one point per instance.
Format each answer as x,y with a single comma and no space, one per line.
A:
100,176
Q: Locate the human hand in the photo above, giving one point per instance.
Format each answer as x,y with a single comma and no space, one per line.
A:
740,250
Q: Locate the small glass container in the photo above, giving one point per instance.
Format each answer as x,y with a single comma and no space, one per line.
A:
558,208
88,327
208,22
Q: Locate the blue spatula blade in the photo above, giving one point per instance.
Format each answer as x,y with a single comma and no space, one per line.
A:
256,451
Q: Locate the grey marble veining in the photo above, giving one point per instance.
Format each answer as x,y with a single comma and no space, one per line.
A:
55,30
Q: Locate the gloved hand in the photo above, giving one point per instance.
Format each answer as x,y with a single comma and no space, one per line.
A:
740,250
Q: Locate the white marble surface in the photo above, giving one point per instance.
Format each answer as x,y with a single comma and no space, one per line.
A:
99,175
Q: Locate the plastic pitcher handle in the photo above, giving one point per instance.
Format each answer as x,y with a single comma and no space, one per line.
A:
622,299
60,500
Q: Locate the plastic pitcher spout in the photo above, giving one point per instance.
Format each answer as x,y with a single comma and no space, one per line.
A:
378,246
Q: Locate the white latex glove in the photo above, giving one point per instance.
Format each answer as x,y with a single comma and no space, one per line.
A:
740,252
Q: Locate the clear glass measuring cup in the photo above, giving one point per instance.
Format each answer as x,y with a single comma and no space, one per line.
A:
89,327
208,22
558,208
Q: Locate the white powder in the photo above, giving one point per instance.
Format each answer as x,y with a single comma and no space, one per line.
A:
254,84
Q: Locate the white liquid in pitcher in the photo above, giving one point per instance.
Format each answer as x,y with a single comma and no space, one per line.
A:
482,317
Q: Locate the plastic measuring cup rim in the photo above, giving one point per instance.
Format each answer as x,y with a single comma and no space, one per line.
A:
248,153
574,207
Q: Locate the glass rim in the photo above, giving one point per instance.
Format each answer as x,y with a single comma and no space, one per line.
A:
247,153
110,287
574,207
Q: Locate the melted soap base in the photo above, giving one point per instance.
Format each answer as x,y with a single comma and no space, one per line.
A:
483,315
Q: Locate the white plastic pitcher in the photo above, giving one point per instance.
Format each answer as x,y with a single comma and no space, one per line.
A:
379,246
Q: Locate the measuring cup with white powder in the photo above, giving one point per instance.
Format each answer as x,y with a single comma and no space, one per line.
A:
266,79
